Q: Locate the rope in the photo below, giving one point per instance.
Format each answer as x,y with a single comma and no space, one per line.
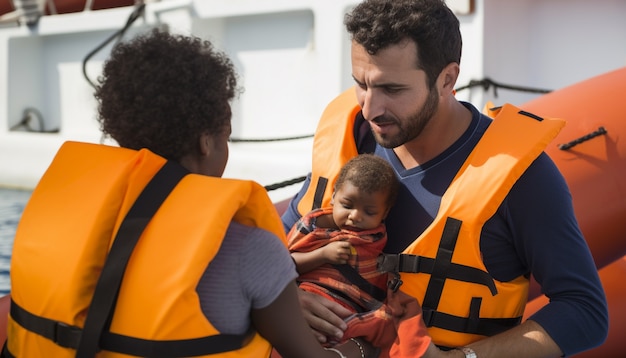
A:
253,140
584,138
137,12
27,118
285,183
485,84
488,83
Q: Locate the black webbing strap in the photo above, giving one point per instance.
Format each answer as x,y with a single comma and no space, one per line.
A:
105,295
396,263
471,325
5,351
218,343
440,269
69,337
443,268
443,259
417,264
531,115
363,137
58,332
352,275
319,193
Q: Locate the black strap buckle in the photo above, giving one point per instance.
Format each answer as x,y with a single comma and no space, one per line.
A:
395,283
396,263
388,263
66,336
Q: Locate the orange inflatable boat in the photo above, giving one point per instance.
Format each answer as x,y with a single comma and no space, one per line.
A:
591,153
68,6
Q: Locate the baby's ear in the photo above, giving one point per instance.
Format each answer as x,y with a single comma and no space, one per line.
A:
332,199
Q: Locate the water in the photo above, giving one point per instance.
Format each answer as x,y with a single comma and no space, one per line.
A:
12,202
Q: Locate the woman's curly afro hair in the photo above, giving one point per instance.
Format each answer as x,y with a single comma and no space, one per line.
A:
161,91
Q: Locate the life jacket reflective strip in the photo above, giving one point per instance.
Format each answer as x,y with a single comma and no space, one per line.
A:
482,183
67,228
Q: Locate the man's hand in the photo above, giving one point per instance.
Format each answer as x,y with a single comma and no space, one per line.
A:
324,316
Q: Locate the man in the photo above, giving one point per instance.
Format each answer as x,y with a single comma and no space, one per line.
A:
481,207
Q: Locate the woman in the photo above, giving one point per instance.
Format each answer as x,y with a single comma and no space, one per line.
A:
144,250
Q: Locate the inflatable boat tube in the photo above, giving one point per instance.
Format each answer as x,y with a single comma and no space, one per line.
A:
590,151
612,277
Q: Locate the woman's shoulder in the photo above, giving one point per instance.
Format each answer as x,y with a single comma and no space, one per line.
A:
240,234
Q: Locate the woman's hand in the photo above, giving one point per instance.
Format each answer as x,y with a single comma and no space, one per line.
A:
323,316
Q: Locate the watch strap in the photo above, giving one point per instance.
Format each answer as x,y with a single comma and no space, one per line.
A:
469,353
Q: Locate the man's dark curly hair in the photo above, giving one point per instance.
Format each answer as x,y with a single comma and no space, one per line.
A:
161,91
377,24
371,174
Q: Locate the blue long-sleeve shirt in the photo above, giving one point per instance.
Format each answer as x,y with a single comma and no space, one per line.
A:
534,231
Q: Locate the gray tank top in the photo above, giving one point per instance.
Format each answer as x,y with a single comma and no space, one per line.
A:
250,270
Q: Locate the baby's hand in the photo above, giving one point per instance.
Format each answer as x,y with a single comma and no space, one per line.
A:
337,252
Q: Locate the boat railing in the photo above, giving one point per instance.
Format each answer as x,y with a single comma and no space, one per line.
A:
29,12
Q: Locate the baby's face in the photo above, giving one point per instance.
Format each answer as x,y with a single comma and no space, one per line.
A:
356,210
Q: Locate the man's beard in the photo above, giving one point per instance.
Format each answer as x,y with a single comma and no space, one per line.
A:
414,126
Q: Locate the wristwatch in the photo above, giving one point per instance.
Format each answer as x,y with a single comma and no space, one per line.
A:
469,353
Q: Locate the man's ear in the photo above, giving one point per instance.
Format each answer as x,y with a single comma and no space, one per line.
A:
447,78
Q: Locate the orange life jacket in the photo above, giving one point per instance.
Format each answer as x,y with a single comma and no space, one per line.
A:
462,302
67,230
333,146
443,267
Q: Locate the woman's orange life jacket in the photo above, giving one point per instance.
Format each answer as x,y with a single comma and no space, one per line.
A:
67,229
443,267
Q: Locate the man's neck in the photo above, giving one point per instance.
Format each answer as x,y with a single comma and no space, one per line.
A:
448,125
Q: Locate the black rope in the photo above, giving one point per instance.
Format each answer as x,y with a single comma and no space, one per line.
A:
258,140
488,83
584,138
137,12
29,114
485,84
285,183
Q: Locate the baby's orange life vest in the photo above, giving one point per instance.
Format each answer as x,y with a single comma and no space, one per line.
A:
67,229
443,267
